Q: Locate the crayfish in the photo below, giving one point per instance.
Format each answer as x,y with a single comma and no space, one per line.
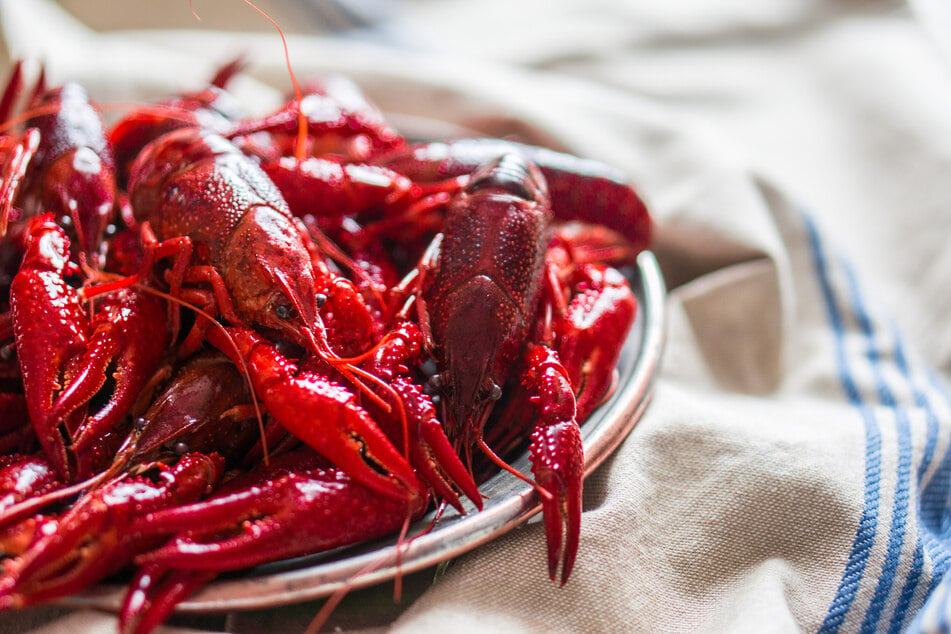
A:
227,342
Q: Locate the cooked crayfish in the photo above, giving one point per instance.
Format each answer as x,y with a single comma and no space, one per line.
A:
350,324
71,172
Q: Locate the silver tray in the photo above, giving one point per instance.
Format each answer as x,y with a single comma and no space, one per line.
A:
508,502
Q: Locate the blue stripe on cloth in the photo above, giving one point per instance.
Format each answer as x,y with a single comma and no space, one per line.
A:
865,532
933,537
932,617
896,532
935,528
921,401
935,519
908,590
925,537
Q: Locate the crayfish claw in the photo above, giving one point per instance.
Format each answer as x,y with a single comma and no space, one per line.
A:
412,418
442,467
430,451
322,414
153,594
286,509
93,539
557,457
561,508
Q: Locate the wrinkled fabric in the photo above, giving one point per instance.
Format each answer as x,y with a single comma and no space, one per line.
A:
793,469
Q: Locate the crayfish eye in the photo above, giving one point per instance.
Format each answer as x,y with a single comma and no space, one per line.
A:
285,312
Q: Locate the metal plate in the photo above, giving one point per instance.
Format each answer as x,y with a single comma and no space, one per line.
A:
509,501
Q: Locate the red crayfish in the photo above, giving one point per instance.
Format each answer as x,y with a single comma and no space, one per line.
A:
230,342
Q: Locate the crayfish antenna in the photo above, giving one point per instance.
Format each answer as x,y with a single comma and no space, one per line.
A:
501,464
333,601
344,365
301,145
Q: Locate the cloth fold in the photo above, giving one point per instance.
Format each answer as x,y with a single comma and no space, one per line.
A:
793,470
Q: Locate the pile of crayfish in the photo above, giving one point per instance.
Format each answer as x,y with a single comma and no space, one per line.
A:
229,339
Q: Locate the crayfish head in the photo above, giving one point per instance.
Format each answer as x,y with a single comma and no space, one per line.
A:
479,341
83,194
270,277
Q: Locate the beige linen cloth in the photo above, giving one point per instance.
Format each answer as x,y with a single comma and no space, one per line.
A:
793,470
